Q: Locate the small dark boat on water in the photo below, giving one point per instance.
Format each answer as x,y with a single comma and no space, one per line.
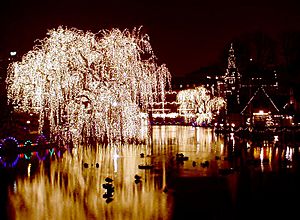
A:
180,157
108,186
145,166
107,195
108,179
137,177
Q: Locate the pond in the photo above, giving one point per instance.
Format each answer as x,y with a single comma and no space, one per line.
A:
188,171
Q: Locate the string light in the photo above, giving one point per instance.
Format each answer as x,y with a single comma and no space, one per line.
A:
89,86
199,103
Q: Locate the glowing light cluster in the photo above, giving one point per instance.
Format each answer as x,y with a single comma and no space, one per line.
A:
89,86
199,103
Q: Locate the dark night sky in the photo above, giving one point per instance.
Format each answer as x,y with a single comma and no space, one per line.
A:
186,34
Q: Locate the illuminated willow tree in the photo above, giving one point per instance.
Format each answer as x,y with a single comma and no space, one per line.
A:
199,103
89,86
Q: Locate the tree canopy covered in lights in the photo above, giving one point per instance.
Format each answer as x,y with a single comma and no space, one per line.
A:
199,103
89,86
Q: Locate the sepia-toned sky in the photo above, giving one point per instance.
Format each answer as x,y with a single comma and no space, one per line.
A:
185,35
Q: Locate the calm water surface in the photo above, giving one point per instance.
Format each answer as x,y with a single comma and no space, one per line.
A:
222,178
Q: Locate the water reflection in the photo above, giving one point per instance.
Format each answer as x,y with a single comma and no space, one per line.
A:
64,188
70,184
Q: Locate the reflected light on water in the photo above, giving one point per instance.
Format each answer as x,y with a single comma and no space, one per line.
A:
289,153
115,158
68,184
67,190
29,169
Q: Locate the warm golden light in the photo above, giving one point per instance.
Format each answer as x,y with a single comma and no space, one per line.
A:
89,87
199,103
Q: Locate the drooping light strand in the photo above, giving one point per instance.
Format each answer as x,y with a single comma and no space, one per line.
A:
89,86
199,103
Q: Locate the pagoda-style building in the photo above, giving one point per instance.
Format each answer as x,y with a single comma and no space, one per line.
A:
255,100
232,81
